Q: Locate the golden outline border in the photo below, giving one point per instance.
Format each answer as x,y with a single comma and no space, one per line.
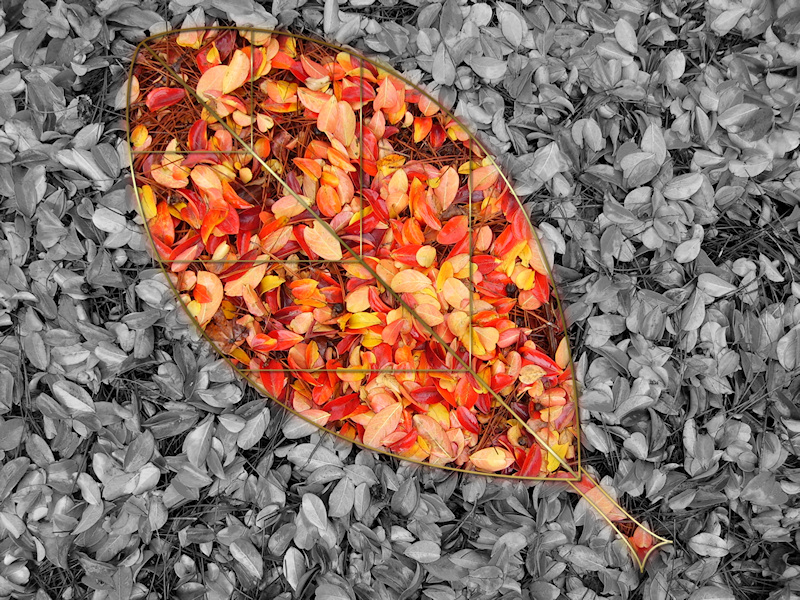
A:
473,139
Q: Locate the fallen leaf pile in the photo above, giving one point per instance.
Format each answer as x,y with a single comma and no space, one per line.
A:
400,257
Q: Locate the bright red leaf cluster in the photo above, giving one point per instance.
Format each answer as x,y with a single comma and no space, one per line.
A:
369,168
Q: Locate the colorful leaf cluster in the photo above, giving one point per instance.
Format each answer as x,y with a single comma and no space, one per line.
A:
345,242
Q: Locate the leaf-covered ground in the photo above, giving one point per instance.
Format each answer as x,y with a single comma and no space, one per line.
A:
657,146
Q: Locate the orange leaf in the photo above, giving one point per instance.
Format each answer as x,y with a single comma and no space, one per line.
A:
328,201
358,300
302,289
642,538
236,73
387,96
211,290
456,293
338,157
605,505
433,433
446,191
429,314
310,167
161,226
313,101
170,176
483,177
538,261
399,182
562,354
382,424
328,116
316,416
232,198
210,84
254,304
201,294
422,127
288,207
207,180
323,242
346,125
492,460
427,106
251,278
213,218
314,69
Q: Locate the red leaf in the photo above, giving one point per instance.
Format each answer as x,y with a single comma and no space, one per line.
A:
454,231
426,395
533,463
198,135
467,419
163,97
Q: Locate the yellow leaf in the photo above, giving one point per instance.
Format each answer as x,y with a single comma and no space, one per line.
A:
458,323
346,125
488,337
531,374
322,242
270,282
492,460
369,339
148,199
410,281
426,255
362,320
552,461
440,414
445,272
525,279
473,343
562,353
356,270
139,136
510,259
